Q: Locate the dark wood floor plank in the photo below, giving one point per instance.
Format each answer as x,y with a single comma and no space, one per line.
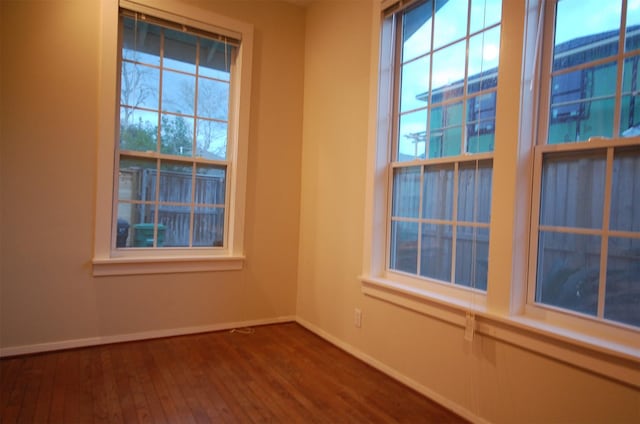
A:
172,392
141,362
196,378
33,373
277,373
159,386
99,394
109,386
234,378
45,392
199,406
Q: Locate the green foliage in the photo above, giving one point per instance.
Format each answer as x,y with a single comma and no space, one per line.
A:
176,136
140,137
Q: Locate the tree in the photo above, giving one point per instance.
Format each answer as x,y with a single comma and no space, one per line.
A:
140,136
175,136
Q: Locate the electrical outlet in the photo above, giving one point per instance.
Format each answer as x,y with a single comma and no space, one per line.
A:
357,318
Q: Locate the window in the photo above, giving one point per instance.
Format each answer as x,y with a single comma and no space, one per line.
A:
174,126
179,138
585,251
505,199
444,110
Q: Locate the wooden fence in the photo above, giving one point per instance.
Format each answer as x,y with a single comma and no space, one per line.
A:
174,206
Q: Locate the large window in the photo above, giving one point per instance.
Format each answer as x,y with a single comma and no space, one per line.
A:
172,158
585,252
174,135
444,112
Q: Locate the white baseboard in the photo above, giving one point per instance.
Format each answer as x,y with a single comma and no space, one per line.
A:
118,338
391,372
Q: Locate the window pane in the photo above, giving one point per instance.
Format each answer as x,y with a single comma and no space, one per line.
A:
137,179
574,116
597,121
446,131
629,116
210,185
406,192
175,220
632,39
438,192
480,137
145,234
622,299
416,31
484,56
472,257
411,138
630,113
445,143
573,191
415,84
578,43
625,195
213,99
176,134
138,130
178,92
215,59
481,122
474,191
447,74
446,116
450,21
208,227
568,271
404,246
139,86
484,13
175,182
141,41
211,139
435,258
127,215
179,51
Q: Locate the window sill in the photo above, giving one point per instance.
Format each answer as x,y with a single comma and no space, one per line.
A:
165,265
617,361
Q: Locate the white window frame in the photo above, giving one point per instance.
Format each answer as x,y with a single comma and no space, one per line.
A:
108,260
504,313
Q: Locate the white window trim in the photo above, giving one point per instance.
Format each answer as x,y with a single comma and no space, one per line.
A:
106,260
505,314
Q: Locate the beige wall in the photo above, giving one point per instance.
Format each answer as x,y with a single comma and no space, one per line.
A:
49,127
491,380
304,248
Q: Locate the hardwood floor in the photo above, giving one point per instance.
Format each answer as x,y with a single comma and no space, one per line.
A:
279,373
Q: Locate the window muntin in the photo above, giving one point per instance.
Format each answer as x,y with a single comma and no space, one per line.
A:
173,166
585,239
446,101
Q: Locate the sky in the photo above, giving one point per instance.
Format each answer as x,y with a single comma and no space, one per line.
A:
584,17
